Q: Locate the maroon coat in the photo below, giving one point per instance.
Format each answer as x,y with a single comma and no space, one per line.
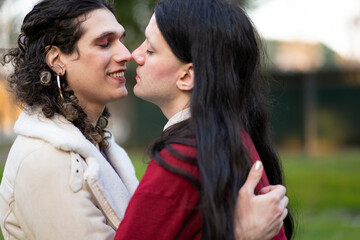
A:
164,200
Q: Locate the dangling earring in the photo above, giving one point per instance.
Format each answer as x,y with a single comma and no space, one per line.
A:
59,86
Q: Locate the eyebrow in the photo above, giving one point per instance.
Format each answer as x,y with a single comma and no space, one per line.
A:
106,34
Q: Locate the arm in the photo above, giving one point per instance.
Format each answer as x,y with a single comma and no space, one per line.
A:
259,217
47,205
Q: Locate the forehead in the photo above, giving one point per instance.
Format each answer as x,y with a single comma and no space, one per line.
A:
152,29
99,21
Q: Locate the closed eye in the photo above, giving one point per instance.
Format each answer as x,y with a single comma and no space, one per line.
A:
105,45
103,42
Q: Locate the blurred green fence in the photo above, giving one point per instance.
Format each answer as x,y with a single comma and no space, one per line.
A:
336,111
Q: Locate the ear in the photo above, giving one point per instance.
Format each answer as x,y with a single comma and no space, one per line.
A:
186,80
53,60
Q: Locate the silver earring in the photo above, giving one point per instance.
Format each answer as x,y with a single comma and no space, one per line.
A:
59,86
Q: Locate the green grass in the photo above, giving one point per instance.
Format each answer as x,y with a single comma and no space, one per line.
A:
328,224
140,161
324,192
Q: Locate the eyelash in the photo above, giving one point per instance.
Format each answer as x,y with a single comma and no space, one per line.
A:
149,52
108,43
104,45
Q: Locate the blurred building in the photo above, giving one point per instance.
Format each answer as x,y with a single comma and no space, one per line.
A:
316,93
306,57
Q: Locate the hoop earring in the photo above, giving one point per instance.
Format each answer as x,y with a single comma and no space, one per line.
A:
59,86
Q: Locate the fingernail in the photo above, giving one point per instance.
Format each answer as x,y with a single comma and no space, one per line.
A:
257,165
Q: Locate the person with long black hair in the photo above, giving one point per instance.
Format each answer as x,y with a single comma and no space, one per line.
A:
201,64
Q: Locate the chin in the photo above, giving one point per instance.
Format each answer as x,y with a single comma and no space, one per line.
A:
122,94
136,91
138,94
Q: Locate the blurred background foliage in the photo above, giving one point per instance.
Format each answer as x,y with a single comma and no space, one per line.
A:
315,95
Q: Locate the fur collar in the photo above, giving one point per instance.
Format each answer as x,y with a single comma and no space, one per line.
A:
63,135
57,131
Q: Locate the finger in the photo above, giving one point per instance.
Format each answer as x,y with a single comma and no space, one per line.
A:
270,188
265,190
280,226
284,202
254,177
284,214
278,190
277,194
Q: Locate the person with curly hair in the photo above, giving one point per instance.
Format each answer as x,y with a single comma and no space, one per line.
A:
65,177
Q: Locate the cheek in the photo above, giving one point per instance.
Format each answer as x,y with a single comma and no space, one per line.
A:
162,71
91,61
97,61
87,68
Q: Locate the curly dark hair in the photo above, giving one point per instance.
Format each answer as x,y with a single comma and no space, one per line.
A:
53,23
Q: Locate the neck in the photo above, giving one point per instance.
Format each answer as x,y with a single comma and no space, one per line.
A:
93,113
169,109
169,112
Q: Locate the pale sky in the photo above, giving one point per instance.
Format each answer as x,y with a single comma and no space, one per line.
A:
13,8
331,22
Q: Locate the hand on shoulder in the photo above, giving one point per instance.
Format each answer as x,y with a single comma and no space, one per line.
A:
259,217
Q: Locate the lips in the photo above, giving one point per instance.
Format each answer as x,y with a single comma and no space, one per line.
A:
137,75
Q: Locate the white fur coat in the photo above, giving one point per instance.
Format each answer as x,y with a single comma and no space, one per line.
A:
109,184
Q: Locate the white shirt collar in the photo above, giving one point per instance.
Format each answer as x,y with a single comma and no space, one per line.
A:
178,117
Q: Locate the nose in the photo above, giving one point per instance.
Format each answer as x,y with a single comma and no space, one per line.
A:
122,54
138,55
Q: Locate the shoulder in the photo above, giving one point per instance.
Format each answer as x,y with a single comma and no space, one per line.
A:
249,146
42,159
35,163
37,150
178,158
163,177
32,151
33,160
254,156
179,154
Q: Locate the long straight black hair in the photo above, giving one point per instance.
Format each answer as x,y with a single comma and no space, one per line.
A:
229,98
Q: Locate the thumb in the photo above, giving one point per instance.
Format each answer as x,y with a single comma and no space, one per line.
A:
254,176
